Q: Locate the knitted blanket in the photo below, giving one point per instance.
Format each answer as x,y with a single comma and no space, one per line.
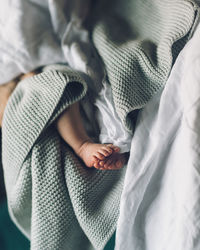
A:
53,198
138,42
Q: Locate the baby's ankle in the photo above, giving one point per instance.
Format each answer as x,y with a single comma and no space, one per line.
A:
80,149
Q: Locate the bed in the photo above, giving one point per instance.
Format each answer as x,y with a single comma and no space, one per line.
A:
52,197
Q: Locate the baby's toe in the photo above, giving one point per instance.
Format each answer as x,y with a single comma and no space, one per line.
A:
104,152
95,159
96,165
119,164
102,163
99,156
114,148
108,163
108,148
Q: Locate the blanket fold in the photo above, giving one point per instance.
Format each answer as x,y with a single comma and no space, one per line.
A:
139,42
52,196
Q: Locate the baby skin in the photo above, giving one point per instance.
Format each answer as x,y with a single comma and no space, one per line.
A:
100,156
71,129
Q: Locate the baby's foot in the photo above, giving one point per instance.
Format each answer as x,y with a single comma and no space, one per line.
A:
91,152
113,162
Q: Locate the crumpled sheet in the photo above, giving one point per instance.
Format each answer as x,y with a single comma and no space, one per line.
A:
160,202
24,61
57,35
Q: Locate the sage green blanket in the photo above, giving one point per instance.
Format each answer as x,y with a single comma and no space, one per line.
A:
53,198
138,41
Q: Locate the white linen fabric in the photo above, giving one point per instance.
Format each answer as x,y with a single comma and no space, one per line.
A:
111,127
160,202
53,23
57,35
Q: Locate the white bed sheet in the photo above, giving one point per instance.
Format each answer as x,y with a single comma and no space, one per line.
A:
111,128
36,33
57,36
160,204
161,199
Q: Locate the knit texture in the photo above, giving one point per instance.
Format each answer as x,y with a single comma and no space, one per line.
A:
55,200
138,42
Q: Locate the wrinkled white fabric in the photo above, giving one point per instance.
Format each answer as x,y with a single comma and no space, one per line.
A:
112,129
35,33
160,202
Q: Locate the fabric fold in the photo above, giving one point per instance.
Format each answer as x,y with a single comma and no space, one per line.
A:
138,43
52,196
160,200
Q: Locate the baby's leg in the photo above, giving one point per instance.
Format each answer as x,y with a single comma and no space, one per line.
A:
7,89
5,92
70,127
